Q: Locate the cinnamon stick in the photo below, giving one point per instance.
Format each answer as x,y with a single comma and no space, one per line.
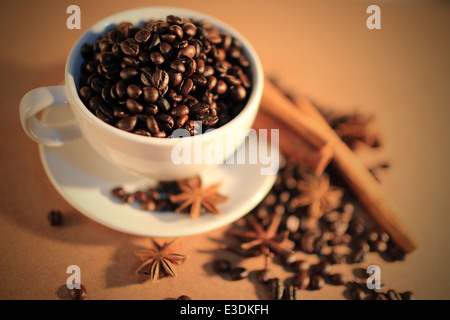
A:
310,124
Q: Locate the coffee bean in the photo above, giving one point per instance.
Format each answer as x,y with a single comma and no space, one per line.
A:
338,279
97,84
275,288
120,112
165,121
86,93
200,109
179,111
379,246
238,273
95,103
263,276
78,294
129,47
393,295
184,297
238,93
156,57
188,52
221,266
55,217
133,91
189,30
166,50
87,50
152,125
129,74
160,80
142,132
133,106
150,94
150,110
180,121
199,80
355,292
301,280
292,223
172,19
127,123
121,89
172,95
177,31
187,86
142,36
191,67
105,114
175,78
163,104
317,282
323,268
130,62
408,295
290,293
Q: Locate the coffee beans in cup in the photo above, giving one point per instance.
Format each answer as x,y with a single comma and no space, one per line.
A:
164,75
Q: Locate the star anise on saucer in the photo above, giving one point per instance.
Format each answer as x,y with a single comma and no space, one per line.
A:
159,261
196,197
265,240
318,195
356,129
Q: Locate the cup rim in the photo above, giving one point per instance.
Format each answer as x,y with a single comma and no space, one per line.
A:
250,107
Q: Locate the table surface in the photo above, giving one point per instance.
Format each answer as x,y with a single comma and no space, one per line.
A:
321,49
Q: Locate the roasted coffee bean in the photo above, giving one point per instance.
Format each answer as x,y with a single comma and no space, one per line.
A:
199,80
180,121
178,65
300,265
275,288
160,134
146,78
361,245
200,64
55,217
87,50
160,80
238,273
133,106
152,125
263,276
150,110
200,109
301,280
184,297
317,282
163,104
106,94
150,94
108,58
323,268
408,295
357,256
78,293
133,91
209,71
127,123
175,78
188,52
142,132
355,292
379,246
393,295
238,93
130,62
87,93
95,103
177,31
179,111
290,293
97,84
120,112
129,74
172,95
168,38
165,121
142,36
187,86
221,266
189,30
121,89
191,67
338,279
116,36
166,50
156,57
130,47
105,114
335,258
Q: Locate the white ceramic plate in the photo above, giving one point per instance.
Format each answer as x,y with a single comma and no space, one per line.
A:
85,179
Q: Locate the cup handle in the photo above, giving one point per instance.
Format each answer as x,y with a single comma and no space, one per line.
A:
52,135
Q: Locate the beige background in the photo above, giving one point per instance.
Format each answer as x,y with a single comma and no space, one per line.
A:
322,49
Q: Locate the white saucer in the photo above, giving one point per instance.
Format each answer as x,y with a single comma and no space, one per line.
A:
85,179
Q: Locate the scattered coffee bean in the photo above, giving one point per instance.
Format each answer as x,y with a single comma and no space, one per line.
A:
338,279
290,293
317,282
275,288
301,280
238,273
221,266
55,217
78,294
184,297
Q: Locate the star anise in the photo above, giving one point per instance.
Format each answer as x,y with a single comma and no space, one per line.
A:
318,195
266,241
159,261
356,129
198,198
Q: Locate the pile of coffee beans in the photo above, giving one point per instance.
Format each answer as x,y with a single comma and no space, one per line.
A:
165,75
341,236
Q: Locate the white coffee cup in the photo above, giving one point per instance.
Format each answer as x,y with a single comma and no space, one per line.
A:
144,156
